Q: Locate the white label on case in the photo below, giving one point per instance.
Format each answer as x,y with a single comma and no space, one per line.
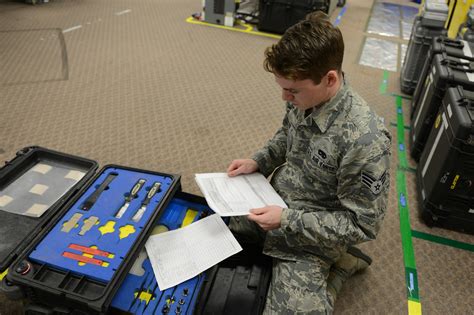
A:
466,49
41,168
36,210
470,76
445,121
75,175
450,112
4,200
433,148
38,189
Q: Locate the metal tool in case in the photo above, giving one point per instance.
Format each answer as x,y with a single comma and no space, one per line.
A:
96,194
139,214
133,193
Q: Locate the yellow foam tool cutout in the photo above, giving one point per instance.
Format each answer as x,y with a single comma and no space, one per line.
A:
144,296
189,217
126,230
107,228
80,263
104,263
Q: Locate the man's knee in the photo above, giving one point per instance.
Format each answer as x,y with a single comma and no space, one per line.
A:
298,288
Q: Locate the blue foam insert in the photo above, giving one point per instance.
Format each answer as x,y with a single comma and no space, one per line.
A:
50,249
125,299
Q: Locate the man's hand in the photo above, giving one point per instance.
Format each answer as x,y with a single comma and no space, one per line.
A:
242,166
268,218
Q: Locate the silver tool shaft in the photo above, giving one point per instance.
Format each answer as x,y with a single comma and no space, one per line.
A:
139,214
133,193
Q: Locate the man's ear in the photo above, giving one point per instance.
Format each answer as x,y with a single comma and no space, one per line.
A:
332,78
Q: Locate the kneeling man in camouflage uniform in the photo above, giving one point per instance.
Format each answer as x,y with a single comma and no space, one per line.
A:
329,162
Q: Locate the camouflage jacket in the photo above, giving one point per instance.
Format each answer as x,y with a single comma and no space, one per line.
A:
332,170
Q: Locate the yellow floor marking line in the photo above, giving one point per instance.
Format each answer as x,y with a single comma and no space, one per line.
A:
414,308
248,30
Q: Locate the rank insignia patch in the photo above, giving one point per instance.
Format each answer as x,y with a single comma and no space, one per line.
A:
374,184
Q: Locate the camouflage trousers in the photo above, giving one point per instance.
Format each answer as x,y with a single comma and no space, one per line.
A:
296,287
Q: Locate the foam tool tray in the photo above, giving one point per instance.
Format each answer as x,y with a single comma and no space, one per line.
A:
139,292
33,186
87,250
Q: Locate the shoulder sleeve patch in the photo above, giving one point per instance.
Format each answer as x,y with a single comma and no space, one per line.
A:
374,184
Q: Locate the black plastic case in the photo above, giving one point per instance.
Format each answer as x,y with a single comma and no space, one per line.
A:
420,42
238,285
18,231
276,16
445,71
445,174
451,47
51,285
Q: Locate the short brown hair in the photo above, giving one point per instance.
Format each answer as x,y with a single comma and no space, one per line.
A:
307,50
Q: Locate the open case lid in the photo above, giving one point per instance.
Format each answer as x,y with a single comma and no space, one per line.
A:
33,186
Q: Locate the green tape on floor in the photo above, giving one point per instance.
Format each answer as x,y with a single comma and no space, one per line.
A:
383,86
411,276
402,156
442,240
405,230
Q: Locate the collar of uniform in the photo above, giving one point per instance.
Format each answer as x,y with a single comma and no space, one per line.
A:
324,115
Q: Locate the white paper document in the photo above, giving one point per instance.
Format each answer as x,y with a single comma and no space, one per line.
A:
179,255
231,196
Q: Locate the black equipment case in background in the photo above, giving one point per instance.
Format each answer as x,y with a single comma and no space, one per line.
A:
420,41
451,47
445,174
276,16
445,71
242,278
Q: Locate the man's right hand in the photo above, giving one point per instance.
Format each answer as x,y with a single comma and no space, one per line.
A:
242,166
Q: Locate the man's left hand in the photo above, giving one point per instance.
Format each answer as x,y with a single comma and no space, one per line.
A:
268,218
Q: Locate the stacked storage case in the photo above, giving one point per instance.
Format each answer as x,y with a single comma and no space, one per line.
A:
425,27
445,71
451,47
445,174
